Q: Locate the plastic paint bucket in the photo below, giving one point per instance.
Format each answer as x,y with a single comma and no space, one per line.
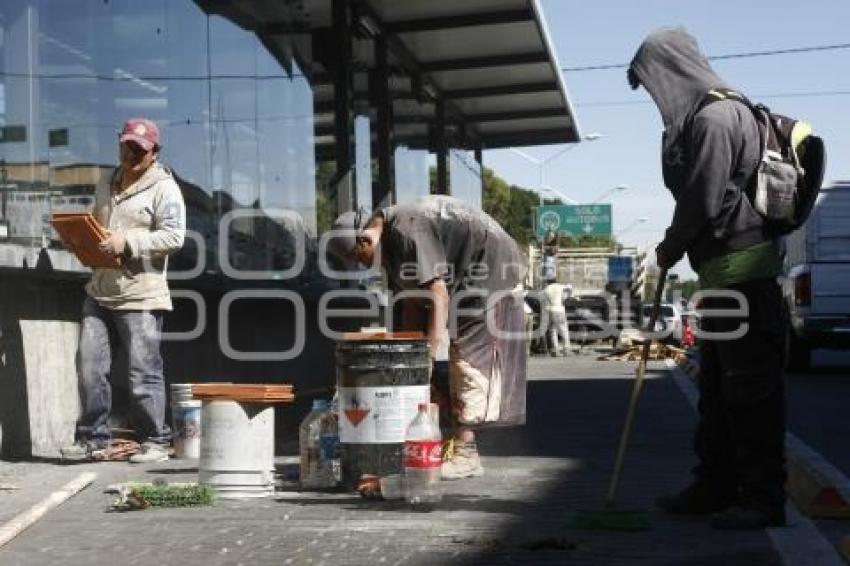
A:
237,449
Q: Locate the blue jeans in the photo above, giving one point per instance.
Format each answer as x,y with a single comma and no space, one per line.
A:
139,332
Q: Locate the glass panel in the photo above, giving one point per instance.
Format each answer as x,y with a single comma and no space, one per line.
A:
465,176
411,174
363,162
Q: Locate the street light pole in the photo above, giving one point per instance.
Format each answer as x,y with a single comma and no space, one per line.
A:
559,194
541,163
610,191
634,223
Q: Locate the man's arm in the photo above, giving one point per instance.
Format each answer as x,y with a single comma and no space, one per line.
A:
169,227
700,198
439,313
412,313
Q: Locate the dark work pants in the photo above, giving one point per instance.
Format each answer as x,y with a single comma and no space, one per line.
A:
740,438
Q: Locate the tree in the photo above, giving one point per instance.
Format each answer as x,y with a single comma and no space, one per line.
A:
513,207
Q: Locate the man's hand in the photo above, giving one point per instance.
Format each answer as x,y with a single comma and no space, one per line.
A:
660,259
114,244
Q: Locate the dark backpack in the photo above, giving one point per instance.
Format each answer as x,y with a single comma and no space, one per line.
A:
788,177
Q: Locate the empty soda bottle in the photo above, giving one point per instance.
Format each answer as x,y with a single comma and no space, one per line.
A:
422,461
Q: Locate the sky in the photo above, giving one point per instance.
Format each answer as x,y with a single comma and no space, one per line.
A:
814,86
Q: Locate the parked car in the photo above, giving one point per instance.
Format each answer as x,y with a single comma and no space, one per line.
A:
816,283
589,319
669,321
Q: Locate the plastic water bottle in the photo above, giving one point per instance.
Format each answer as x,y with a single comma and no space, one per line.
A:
329,444
422,460
316,472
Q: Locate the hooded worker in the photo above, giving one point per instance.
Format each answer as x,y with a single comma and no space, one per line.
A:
469,267
709,155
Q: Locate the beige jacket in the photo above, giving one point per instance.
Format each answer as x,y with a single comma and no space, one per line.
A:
152,216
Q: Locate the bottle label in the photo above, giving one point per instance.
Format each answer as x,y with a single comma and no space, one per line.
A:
423,454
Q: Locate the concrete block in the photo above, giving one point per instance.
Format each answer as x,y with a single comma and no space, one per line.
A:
50,348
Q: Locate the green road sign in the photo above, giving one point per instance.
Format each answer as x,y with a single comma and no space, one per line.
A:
574,221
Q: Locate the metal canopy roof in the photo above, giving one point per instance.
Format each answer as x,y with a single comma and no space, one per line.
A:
493,60
490,61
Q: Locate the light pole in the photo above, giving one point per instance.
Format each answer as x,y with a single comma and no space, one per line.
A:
541,163
618,188
619,245
634,223
559,194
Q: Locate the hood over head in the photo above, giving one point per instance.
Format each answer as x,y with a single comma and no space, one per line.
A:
676,74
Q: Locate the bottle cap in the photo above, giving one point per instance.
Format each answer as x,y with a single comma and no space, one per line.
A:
423,407
319,404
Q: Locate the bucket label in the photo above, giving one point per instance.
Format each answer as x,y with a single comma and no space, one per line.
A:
378,415
423,454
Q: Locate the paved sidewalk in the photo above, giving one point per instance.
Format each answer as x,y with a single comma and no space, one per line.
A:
559,462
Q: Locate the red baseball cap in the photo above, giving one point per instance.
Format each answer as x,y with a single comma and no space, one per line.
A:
141,131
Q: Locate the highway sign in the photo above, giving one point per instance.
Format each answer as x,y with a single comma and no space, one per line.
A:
574,220
620,269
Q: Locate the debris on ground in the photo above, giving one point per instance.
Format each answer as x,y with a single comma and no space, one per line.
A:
8,487
657,352
134,497
119,450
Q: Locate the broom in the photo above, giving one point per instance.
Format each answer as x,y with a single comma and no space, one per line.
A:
611,518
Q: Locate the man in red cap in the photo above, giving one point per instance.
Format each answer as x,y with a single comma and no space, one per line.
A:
145,215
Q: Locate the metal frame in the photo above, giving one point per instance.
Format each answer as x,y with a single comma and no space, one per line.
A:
461,20
383,193
484,62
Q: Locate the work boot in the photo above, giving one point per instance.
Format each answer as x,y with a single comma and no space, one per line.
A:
150,453
747,517
696,499
463,462
82,451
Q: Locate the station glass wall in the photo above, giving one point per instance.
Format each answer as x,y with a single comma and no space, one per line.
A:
237,127
465,176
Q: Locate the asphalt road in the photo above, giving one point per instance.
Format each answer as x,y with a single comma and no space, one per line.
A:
819,406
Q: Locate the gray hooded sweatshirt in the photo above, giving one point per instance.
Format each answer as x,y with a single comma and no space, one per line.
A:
708,156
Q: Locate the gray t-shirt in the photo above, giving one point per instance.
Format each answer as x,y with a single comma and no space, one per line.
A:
440,236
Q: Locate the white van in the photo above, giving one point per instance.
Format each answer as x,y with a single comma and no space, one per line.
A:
816,285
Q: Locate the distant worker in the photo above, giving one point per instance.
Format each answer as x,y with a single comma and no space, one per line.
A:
456,252
709,154
558,327
144,212
529,318
549,268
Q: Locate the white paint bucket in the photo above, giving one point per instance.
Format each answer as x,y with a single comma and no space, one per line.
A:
237,449
186,416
